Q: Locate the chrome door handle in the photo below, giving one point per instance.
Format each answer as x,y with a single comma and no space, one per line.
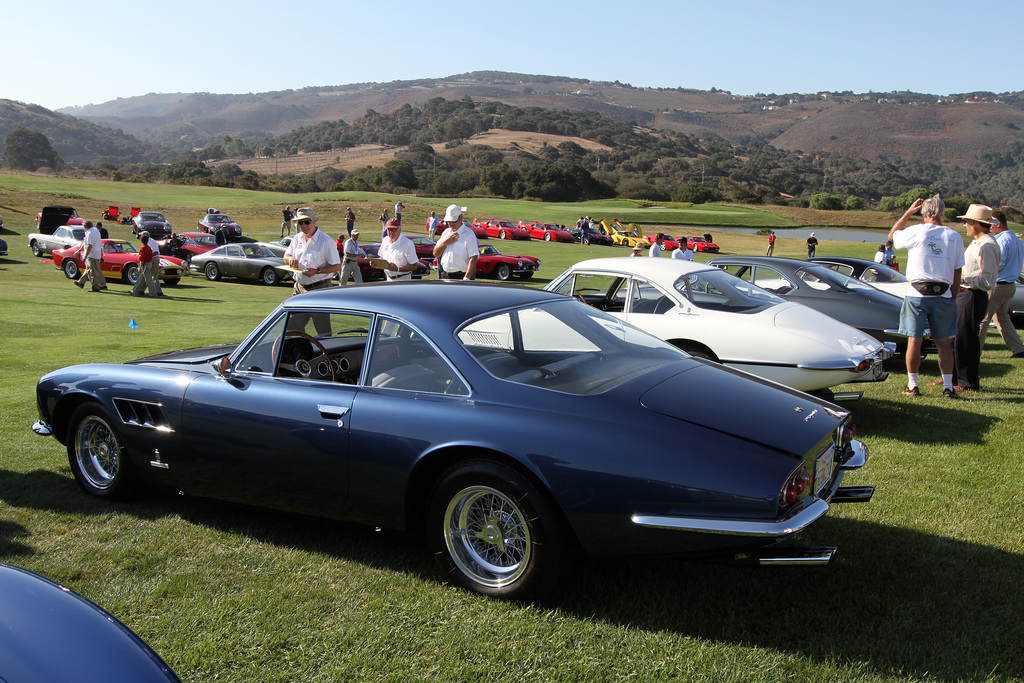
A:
333,413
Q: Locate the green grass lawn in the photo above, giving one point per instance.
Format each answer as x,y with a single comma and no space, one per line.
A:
926,585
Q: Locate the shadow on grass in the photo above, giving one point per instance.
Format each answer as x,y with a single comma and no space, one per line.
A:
894,602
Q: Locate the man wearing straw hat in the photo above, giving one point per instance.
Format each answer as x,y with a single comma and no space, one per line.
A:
981,263
312,253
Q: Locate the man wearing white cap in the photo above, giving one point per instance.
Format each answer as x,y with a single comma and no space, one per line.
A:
350,261
312,252
457,251
812,245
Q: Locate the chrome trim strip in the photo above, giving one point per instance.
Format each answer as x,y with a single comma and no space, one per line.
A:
41,428
737,527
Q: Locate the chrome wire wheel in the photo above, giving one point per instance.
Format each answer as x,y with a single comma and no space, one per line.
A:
97,452
487,536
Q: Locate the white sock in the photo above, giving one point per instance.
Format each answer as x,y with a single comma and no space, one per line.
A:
912,379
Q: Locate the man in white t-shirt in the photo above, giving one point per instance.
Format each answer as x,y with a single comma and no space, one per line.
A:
934,260
683,252
399,251
350,262
458,250
656,245
92,254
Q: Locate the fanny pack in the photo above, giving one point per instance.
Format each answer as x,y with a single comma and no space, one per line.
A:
930,287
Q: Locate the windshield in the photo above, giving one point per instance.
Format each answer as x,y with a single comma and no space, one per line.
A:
218,219
564,346
151,216
719,291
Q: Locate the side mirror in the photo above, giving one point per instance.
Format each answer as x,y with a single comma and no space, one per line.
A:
222,366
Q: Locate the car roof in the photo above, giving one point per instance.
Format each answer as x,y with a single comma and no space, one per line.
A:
430,303
777,261
645,266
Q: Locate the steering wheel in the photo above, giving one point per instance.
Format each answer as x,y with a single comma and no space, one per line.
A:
318,367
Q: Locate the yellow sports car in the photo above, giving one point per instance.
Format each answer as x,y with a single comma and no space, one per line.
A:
621,235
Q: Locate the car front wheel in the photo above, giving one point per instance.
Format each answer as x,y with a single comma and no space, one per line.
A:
547,237
494,533
269,276
503,272
131,274
37,251
97,454
70,268
503,235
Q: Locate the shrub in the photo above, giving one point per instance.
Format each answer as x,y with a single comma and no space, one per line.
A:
826,201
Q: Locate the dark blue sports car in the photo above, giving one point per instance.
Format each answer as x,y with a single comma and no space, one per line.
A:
511,427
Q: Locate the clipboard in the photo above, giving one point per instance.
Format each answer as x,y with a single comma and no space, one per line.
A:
379,263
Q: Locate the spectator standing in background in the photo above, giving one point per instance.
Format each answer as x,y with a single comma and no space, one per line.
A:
146,255
890,255
656,245
103,231
398,212
154,267
350,253
400,253
880,254
350,220
812,245
286,223
92,254
432,225
683,252
1011,252
384,218
771,244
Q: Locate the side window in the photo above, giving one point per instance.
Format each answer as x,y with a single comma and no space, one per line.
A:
814,281
646,298
567,286
607,292
234,251
320,346
403,359
770,279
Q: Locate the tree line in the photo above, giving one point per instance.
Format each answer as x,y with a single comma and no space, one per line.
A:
630,162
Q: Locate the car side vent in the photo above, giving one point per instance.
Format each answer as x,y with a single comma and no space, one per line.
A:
141,414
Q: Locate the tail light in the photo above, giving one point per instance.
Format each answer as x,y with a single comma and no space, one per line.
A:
847,433
795,486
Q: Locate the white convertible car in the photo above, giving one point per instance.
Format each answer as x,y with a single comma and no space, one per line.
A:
710,313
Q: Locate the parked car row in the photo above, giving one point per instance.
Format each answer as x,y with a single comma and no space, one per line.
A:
120,260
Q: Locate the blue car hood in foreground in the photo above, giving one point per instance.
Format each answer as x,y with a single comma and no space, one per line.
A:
745,406
49,633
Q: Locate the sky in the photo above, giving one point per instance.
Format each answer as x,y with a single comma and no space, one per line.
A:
60,53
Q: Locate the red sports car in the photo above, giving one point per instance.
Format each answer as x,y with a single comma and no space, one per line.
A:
492,263
701,244
549,232
505,230
185,245
121,260
670,244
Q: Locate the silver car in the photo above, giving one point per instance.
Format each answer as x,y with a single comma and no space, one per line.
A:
63,237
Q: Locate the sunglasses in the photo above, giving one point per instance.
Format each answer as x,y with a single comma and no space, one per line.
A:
304,222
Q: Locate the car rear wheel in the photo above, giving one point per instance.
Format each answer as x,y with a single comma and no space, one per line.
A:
36,249
212,271
131,274
269,276
503,272
494,533
97,454
70,268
